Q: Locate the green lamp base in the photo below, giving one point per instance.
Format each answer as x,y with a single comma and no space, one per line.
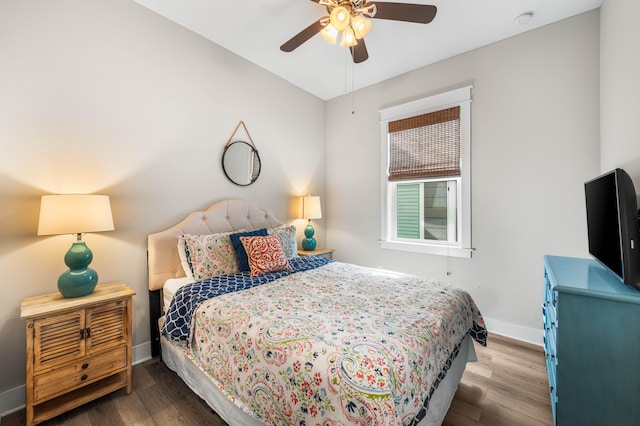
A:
79,280
309,243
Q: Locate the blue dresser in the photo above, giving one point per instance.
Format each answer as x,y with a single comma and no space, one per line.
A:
591,343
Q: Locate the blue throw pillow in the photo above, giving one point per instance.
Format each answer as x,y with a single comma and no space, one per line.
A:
241,253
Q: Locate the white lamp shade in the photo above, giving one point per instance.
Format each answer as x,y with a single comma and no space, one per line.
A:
74,214
330,34
311,207
361,26
348,38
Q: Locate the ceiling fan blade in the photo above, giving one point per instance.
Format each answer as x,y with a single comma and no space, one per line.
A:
419,13
359,52
304,35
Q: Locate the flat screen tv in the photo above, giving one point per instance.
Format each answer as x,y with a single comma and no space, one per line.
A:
612,224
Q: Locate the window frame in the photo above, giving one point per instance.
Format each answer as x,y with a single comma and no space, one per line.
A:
457,97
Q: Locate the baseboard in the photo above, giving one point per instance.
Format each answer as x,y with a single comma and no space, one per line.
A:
14,399
141,353
515,331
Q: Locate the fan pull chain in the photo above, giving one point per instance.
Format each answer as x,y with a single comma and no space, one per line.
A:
353,88
345,70
347,60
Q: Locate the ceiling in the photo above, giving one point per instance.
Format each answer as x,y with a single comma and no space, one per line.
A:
255,30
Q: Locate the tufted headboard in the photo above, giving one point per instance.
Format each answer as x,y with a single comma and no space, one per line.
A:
222,216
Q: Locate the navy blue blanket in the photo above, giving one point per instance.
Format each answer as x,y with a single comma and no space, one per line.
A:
186,300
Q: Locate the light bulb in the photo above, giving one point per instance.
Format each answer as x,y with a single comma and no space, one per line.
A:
361,26
340,18
348,38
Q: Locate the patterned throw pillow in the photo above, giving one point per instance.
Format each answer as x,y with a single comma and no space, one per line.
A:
265,254
287,236
210,255
241,254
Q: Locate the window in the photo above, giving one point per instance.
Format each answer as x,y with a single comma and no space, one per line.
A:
426,200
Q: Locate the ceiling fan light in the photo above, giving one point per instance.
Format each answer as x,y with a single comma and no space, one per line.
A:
348,38
340,18
361,26
330,34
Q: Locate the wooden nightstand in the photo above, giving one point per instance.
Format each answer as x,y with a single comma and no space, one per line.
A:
322,252
78,349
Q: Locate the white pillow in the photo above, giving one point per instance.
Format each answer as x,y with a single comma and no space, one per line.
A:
182,253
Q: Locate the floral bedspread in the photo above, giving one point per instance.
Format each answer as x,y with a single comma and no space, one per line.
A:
335,345
177,324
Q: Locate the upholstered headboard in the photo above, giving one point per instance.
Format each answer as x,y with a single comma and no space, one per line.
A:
222,216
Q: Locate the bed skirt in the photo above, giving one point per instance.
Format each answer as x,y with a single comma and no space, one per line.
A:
195,378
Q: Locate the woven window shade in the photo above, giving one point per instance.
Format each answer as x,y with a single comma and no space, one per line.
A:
426,145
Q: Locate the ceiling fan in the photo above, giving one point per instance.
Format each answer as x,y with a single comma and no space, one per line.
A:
347,18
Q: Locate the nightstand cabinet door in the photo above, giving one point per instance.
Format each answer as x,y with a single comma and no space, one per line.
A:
59,339
106,327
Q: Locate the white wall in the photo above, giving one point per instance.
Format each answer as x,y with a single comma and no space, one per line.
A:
619,88
108,97
535,140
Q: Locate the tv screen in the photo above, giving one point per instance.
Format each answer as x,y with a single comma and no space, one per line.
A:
612,224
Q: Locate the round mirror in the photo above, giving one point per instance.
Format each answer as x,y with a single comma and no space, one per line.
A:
241,163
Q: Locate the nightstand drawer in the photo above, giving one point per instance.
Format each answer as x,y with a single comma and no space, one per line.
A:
88,370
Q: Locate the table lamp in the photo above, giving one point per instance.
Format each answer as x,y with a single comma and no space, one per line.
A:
310,210
76,214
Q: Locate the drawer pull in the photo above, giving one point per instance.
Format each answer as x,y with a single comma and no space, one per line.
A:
85,366
84,377
85,333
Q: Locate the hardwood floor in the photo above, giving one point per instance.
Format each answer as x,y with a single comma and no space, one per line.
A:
507,386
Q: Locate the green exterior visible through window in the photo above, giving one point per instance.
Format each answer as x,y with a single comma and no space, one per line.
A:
427,210
409,211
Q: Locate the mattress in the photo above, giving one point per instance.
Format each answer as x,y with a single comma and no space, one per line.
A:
169,289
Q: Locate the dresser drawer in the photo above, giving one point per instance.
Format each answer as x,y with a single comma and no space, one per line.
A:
77,374
550,295
550,332
550,323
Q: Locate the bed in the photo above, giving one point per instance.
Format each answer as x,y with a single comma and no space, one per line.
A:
304,340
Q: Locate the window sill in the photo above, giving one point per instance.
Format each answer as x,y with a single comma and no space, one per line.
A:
427,248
